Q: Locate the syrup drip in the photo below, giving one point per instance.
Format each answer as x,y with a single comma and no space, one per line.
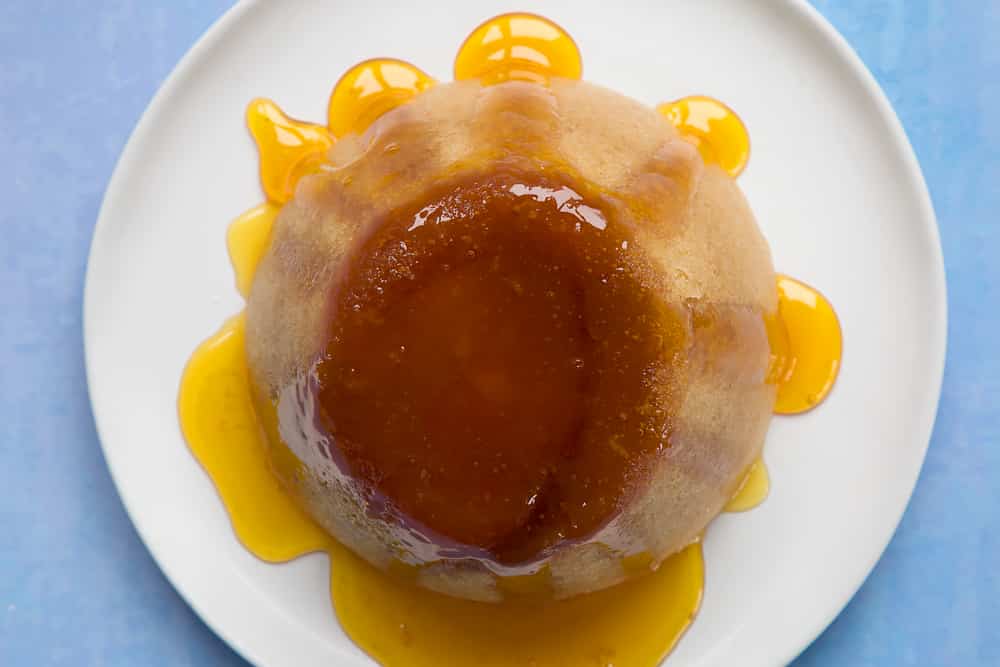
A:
247,239
753,490
289,149
220,425
369,89
636,623
518,47
714,128
806,347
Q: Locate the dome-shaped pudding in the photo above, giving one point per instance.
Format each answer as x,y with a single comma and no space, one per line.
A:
512,338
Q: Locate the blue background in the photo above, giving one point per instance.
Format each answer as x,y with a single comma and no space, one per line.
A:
76,585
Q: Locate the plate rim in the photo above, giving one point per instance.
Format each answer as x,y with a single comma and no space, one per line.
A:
927,224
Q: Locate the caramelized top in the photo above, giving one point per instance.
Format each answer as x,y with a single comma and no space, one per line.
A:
495,373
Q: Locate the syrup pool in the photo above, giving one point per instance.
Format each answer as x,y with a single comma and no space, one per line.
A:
633,624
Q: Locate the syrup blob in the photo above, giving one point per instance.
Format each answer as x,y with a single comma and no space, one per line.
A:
369,89
247,239
518,47
289,149
753,490
806,347
714,128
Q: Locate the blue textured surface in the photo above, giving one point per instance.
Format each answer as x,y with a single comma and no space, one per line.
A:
76,585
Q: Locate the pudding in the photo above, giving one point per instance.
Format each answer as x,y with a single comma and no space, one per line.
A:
514,330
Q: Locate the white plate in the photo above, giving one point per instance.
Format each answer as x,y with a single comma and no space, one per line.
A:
832,179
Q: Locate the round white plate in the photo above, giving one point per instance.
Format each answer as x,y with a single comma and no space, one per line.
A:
832,180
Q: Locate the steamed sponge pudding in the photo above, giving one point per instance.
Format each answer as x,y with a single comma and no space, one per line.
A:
514,330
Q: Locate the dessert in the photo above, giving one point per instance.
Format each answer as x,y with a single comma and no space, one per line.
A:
514,339
506,327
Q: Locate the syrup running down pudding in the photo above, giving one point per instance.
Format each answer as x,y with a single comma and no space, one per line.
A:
512,338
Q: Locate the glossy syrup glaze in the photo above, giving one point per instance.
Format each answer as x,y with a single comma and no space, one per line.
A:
395,622
436,343
369,89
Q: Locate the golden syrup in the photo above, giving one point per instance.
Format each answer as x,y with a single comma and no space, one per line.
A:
369,89
753,490
806,347
220,425
467,343
247,239
289,149
714,128
518,47
636,623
